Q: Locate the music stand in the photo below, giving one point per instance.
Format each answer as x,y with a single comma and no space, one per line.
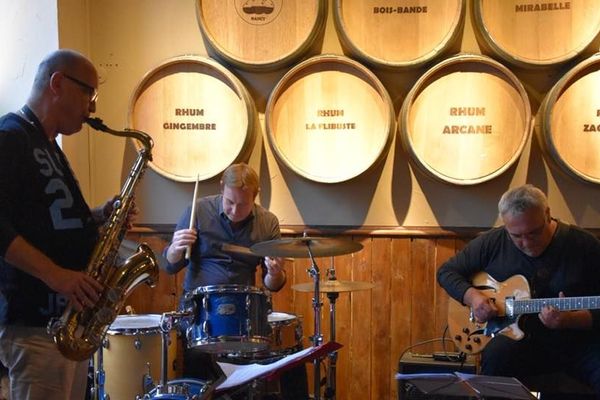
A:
468,385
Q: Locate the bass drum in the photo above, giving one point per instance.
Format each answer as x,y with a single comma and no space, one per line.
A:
181,389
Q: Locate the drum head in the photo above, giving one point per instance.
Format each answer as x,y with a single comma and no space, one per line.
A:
135,324
280,317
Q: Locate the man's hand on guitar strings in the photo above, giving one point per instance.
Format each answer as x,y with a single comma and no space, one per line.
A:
551,317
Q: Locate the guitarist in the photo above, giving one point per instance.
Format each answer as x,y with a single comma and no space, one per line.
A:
557,259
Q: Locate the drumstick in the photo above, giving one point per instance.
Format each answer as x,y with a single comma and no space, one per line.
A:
188,251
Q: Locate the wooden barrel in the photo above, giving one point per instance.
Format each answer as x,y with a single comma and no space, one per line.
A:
261,35
537,33
329,119
569,122
398,33
201,117
466,120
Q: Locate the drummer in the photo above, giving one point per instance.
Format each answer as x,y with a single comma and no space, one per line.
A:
229,218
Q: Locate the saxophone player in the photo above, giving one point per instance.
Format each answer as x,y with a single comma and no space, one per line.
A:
47,231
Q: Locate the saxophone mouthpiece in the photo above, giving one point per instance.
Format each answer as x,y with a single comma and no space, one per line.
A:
96,123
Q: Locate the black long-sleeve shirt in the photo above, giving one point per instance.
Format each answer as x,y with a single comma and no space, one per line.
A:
570,263
40,200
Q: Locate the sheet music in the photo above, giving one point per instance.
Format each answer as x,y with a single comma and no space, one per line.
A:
240,374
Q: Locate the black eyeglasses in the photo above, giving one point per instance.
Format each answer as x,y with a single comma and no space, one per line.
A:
92,92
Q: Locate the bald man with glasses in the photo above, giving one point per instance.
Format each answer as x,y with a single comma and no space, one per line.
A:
47,231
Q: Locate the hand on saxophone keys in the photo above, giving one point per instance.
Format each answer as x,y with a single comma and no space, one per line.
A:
102,213
81,289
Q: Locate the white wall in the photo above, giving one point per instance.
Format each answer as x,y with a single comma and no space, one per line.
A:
28,31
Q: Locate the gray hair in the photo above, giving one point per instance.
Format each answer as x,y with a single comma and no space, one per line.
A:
520,199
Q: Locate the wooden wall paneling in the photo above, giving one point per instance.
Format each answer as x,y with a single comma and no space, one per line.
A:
382,373
445,248
423,317
164,296
343,270
361,336
401,302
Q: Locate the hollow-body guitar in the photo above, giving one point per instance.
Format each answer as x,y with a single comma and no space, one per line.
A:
512,297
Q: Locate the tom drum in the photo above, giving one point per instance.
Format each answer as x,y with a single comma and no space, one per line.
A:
229,318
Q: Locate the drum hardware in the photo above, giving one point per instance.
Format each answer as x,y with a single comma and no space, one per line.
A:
310,247
333,287
97,390
178,389
168,321
147,381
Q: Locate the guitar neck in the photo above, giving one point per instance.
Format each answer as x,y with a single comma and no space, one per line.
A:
533,306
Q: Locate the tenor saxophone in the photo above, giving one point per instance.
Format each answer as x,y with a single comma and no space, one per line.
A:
78,334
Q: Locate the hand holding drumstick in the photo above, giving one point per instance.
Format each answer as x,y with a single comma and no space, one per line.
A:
183,239
188,252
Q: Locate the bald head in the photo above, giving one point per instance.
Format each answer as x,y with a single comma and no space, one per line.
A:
63,60
64,92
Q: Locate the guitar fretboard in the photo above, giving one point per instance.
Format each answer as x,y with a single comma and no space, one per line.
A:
532,306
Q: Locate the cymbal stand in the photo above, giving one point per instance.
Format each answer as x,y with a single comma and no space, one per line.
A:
331,378
167,321
317,338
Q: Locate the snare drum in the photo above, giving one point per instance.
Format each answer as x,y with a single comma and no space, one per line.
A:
286,333
285,338
131,350
229,318
181,389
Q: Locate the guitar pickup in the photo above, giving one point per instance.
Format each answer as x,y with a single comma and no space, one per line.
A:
509,304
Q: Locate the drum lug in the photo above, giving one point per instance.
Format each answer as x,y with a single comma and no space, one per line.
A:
206,328
137,343
105,343
299,333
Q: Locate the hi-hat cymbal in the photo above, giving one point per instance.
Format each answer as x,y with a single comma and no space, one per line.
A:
298,247
331,286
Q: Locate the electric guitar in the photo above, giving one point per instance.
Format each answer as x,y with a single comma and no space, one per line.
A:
512,298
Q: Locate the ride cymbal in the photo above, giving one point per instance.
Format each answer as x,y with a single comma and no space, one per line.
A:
332,286
299,247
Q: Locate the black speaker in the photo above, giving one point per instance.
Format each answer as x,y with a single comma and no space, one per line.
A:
430,363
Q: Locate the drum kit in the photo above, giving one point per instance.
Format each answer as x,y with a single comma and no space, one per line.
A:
230,320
